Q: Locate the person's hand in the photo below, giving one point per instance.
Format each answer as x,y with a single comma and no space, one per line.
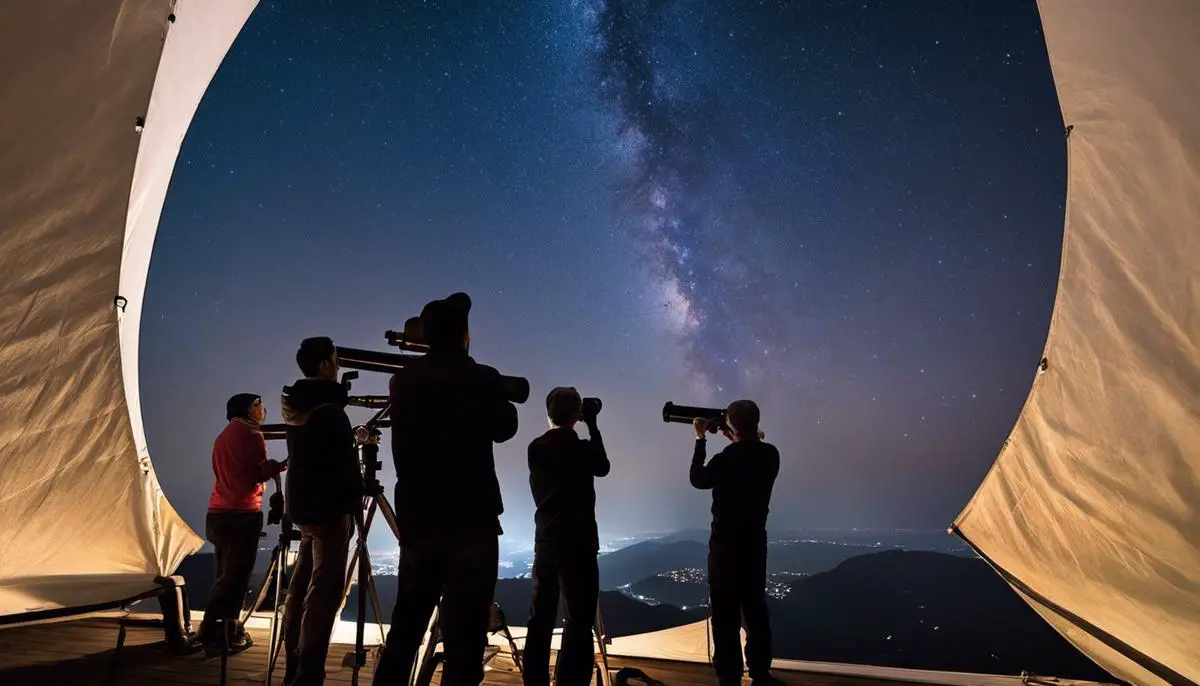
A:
700,424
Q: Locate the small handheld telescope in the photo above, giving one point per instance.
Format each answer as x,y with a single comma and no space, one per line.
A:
686,414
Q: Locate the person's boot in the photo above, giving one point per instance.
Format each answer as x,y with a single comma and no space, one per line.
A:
767,680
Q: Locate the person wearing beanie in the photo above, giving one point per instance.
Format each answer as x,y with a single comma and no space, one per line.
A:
562,471
447,413
235,519
741,478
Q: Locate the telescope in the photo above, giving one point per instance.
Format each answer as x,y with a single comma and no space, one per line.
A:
371,402
685,414
372,361
278,432
514,388
591,407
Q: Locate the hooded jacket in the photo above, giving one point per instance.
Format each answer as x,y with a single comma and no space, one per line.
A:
324,481
447,411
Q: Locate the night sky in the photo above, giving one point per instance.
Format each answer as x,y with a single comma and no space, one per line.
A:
850,212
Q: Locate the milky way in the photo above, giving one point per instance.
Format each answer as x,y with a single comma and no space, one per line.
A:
718,290
850,212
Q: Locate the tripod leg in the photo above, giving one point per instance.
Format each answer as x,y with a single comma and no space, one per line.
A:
378,611
276,631
423,671
516,652
602,640
389,515
351,568
262,591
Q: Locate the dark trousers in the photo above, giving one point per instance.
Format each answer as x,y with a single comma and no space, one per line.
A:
234,536
461,571
737,590
314,596
576,577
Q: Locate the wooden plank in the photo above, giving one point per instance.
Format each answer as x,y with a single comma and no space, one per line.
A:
81,652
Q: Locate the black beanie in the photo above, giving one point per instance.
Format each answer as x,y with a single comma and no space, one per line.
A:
239,405
443,322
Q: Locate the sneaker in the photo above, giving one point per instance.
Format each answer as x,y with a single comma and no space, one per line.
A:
240,643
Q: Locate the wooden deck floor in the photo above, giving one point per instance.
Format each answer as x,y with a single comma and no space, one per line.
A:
81,652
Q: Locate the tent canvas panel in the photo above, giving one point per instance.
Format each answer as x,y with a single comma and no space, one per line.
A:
1094,502
198,40
82,518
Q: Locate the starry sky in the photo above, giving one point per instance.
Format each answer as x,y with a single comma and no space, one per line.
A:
850,212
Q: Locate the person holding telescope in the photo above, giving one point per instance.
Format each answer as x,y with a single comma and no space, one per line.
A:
741,478
562,472
447,413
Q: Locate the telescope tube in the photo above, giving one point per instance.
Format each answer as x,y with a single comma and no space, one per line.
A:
684,414
515,389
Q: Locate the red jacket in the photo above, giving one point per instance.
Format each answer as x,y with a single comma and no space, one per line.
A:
240,465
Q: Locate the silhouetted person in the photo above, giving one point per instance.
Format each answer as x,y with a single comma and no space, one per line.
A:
324,499
741,478
235,518
562,472
447,412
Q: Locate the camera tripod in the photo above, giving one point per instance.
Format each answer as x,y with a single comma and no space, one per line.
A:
274,578
374,500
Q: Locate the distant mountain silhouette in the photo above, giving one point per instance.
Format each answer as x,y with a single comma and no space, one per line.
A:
665,589
648,558
696,535
640,561
921,610
622,615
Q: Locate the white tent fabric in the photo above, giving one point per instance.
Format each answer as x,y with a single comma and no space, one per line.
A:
83,521
1092,509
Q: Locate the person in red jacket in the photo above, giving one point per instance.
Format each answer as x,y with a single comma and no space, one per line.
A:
235,519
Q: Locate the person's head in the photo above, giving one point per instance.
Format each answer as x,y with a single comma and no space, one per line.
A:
563,406
742,416
246,406
317,358
444,323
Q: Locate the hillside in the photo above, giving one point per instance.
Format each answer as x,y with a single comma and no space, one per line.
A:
642,561
648,558
921,610
622,615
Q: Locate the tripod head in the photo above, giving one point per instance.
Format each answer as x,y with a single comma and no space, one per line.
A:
368,435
